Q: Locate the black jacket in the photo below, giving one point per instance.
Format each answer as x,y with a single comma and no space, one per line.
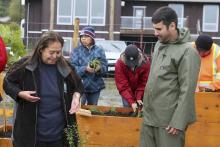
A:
26,78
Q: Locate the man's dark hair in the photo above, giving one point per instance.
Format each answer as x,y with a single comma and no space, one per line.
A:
204,42
165,14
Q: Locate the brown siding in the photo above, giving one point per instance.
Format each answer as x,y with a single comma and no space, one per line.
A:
45,14
194,12
40,16
35,13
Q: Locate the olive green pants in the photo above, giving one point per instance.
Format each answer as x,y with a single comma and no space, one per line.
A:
158,137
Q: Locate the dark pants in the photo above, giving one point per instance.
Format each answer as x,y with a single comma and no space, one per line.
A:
58,143
91,98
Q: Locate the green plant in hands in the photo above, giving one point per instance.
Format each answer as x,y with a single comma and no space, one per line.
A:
96,64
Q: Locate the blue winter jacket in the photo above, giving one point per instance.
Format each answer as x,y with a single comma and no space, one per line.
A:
80,58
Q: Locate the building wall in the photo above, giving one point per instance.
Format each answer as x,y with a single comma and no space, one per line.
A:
39,19
35,14
193,10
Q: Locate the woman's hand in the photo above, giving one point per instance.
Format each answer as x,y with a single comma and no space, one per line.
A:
29,96
75,103
90,70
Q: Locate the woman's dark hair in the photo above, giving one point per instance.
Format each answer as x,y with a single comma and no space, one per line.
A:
46,39
165,14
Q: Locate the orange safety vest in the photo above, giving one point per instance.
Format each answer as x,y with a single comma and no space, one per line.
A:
209,75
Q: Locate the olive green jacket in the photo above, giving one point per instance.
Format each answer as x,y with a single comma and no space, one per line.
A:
169,94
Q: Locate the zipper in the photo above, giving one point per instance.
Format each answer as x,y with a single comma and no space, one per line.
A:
64,101
35,86
23,101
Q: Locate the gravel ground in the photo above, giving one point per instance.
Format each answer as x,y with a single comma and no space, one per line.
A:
110,96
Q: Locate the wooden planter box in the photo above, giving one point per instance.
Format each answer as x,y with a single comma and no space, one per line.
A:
5,142
109,131
112,131
206,131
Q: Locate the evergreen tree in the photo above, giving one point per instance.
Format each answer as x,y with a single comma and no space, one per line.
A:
15,11
3,7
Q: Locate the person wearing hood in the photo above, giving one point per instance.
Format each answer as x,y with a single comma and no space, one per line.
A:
169,105
91,64
131,74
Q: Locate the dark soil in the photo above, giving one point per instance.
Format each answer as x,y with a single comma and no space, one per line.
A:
114,113
5,134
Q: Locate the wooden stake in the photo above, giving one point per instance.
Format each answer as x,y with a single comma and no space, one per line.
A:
76,32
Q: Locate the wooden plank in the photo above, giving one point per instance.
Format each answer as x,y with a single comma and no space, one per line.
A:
203,134
208,106
5,142
112,131
109,131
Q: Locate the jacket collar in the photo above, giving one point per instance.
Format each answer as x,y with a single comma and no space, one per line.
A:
62,67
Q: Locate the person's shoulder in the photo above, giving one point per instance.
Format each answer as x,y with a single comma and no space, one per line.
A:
186,46
96,47
67,62
23,59
18,65
188,49
119,61
78,48
215,45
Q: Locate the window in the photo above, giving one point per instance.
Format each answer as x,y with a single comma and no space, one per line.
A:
82,11
138,14
210,18
90,12
179,9
97,12
64,12
67,46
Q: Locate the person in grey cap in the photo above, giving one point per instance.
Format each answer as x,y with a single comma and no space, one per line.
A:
131,74
209,76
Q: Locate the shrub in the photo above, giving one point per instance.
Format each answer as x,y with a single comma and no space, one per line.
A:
11,35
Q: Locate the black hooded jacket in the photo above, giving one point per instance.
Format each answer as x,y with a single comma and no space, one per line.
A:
26,78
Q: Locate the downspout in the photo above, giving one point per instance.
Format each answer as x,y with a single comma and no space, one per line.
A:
27,37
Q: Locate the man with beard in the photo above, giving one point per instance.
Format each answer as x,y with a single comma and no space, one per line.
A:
169,105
